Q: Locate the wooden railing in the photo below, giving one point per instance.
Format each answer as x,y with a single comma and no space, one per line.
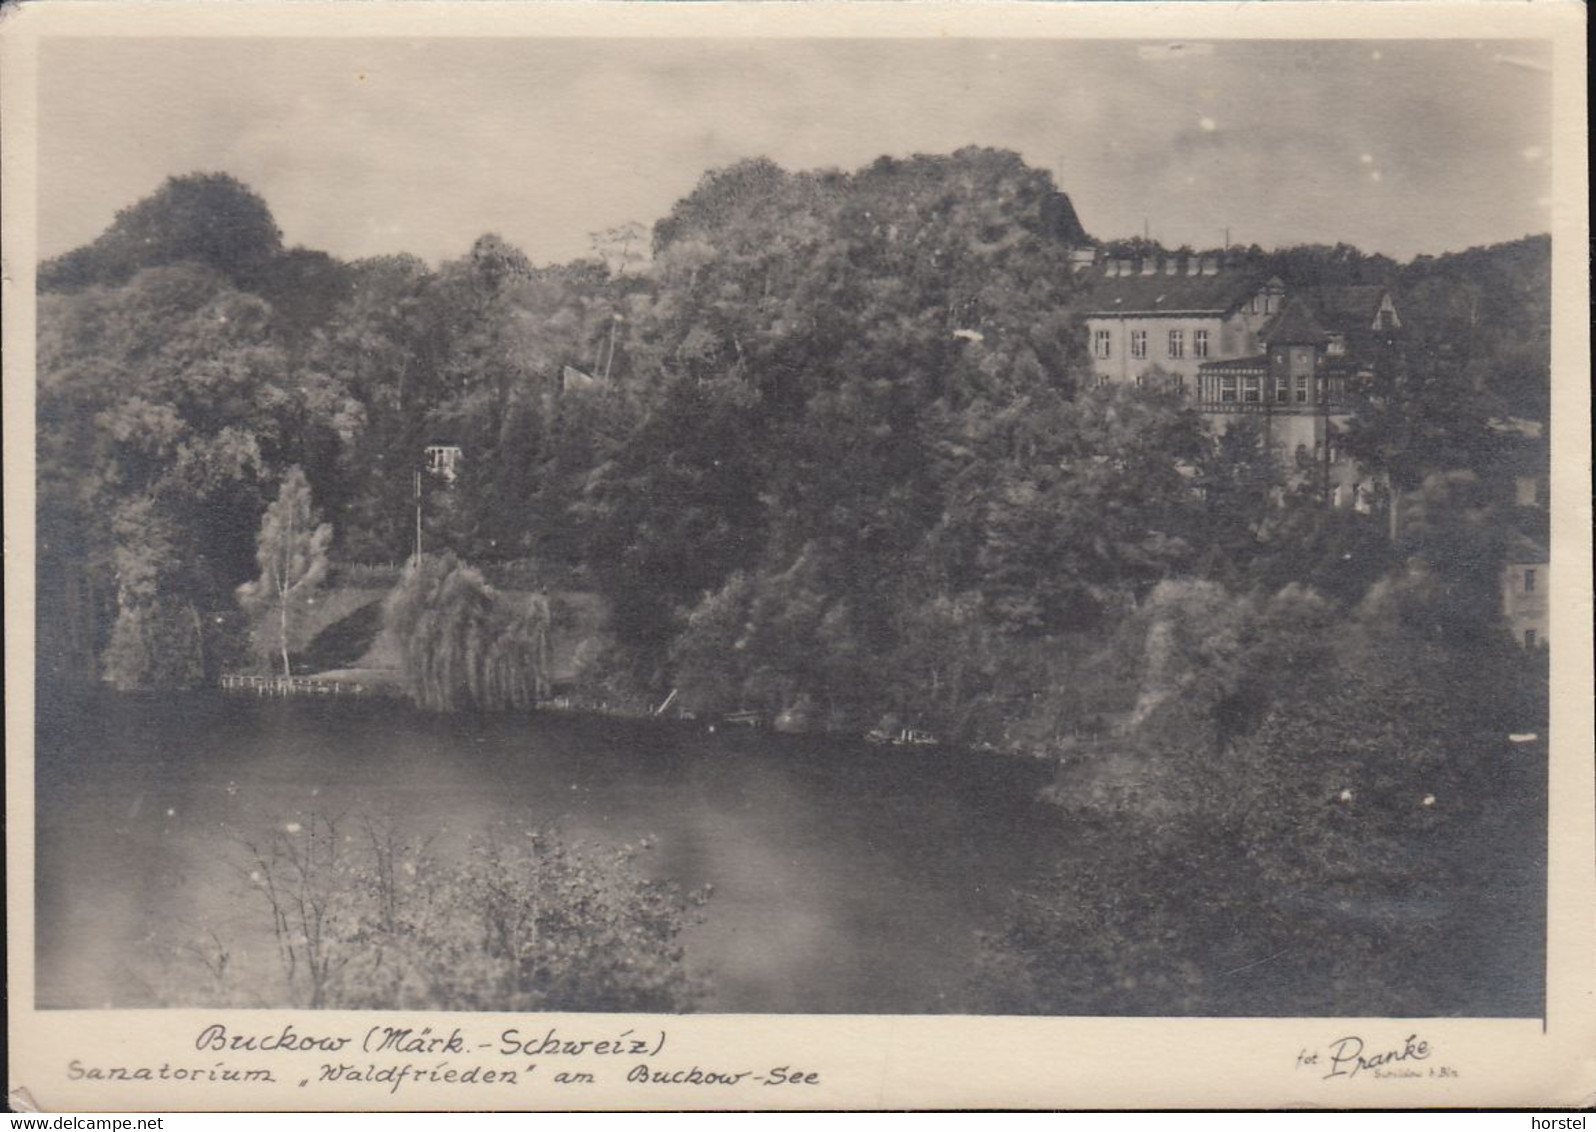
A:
1278,408
301,686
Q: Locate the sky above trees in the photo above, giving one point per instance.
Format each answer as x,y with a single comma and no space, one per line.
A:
365,147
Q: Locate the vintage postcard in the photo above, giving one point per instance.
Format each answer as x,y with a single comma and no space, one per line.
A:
636,556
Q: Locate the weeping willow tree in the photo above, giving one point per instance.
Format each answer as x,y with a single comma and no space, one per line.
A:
464,644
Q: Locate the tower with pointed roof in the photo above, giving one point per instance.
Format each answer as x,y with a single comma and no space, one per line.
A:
1298,394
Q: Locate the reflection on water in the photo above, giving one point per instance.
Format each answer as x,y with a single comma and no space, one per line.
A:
846,878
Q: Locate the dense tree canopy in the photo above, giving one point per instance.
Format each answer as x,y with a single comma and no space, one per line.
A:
211,219
826,449
827,431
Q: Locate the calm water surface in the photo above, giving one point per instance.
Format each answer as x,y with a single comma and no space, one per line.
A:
846,878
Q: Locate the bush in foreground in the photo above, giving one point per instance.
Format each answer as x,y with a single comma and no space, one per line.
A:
364,919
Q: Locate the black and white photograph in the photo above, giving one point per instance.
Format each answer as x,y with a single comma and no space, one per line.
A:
717,525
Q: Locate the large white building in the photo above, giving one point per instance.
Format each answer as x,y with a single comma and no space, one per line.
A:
1167,317
1239,345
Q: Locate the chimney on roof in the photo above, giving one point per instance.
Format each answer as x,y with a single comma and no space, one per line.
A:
1210,265
1193,265
1149,266
1171,266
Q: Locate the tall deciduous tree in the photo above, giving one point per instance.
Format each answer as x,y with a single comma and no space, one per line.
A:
292,553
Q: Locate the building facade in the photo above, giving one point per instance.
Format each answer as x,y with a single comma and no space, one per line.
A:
1524,604
443,461
1299,396
1163,318
1241,347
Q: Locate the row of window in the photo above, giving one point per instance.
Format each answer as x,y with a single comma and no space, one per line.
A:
1232,389
1251,390
1174,347
1245,390
1172,383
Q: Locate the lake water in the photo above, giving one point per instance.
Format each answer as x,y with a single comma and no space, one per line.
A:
846,878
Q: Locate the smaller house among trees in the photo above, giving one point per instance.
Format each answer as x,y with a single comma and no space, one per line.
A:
443,461
1524,603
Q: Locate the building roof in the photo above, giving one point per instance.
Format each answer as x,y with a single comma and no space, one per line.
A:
1522,453
1526,550
1294,326
1351,307
1217,294
572,378
1517,426
1257,363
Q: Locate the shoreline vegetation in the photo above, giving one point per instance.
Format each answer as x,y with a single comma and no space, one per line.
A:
366,916
829,452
